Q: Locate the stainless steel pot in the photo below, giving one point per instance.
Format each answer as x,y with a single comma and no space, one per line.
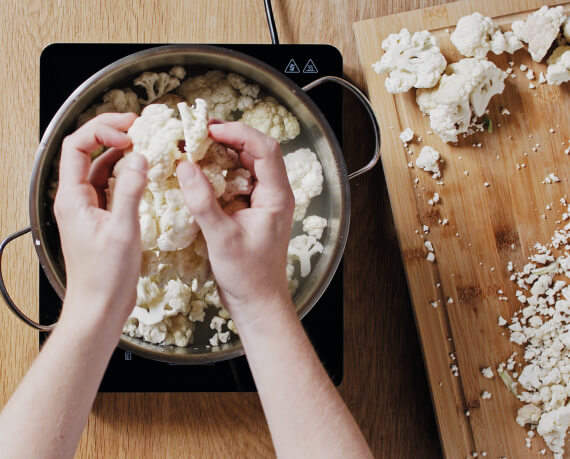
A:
334,203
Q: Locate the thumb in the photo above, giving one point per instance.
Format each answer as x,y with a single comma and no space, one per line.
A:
128,191
201,201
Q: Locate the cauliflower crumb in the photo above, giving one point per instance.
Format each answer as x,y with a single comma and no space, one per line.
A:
487,372
406,135
428,161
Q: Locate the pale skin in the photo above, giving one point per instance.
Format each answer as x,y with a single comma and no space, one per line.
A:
47,413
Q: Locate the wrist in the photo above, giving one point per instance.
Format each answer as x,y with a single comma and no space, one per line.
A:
90,319
263,313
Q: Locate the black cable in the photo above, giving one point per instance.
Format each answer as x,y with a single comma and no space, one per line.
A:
271,22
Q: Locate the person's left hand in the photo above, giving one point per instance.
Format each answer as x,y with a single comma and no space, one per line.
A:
101,248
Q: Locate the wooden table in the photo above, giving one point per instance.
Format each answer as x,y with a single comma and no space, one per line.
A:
384,380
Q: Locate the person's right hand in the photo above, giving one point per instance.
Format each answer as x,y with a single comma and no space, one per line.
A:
248,249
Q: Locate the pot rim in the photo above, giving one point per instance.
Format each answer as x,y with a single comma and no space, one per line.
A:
226,54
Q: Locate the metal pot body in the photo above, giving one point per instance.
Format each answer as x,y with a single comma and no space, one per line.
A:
333,204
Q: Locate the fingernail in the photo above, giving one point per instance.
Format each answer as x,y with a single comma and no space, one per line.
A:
137,162
215,128
186,172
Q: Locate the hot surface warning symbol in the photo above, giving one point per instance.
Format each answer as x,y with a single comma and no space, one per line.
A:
292,67
310,67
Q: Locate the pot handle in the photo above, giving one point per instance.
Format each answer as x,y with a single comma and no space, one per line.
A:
362,98
4,292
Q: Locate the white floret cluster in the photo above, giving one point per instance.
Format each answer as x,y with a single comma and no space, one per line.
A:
176,286
542,326
456,96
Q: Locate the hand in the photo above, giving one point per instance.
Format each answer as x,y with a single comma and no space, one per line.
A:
248,249
102,249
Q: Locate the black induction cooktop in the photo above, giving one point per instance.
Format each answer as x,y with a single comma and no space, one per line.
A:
63,67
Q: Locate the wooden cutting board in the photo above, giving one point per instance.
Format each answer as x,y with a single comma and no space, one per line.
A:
488,225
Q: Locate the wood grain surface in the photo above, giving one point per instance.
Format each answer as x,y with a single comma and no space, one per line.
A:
384,380
496,213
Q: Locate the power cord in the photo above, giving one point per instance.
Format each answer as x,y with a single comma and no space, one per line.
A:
271,22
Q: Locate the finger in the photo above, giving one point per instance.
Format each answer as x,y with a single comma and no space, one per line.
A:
260,154
102,168
128,191
201,201
77,148
121,121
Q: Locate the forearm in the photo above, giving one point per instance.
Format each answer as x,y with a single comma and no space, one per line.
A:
47,413
306,415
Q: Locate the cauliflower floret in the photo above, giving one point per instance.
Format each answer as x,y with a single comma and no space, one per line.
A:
305,175
558,70
476,35
195,125
314,226
223,99
155,135
180,331
302,248
154,334
428,161
412,61
249,92
115,100
155,85
214,165
177,72
463,91
217,323
540,30
273,119
177,226
238,182
197,310
155,303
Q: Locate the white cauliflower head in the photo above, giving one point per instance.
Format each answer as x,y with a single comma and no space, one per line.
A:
475,35
156,85
412,61
464,91
155,135
540,30
558,70
305,175
273,119
195,125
